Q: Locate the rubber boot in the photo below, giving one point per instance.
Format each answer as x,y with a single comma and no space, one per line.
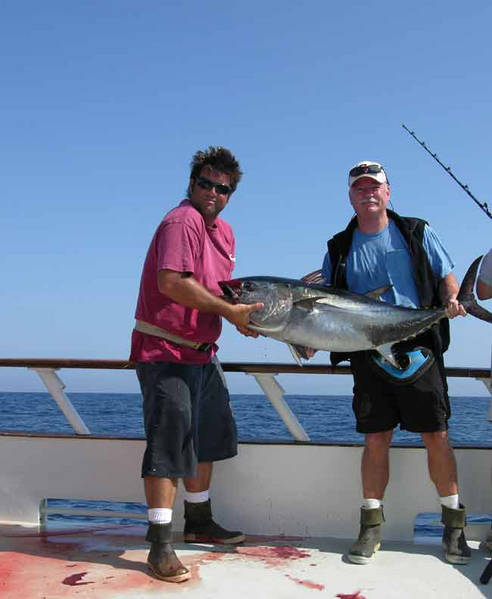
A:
369,541
162,560
201,528
453,536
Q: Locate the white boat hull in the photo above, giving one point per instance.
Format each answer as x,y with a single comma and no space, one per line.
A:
269,489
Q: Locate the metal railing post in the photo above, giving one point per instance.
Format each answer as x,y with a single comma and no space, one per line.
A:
274,392
56,386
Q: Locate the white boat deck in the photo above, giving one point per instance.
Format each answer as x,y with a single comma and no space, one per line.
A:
110,563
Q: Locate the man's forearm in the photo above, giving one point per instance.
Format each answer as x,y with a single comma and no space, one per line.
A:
448,292
448,288
187,291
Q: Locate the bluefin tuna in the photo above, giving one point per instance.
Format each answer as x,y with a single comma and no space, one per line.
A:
324,318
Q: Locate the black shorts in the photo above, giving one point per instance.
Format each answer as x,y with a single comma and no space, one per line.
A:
187,417
421,406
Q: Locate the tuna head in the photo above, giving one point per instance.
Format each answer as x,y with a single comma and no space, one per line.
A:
275,295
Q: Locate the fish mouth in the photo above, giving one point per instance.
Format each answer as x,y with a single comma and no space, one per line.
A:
231,290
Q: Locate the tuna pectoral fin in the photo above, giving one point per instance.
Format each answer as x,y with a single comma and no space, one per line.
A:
385,351
377,293
295,353
467,298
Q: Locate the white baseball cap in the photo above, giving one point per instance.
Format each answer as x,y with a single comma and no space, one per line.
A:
367,168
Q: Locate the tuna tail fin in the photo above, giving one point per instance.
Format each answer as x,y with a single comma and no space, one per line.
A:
467,298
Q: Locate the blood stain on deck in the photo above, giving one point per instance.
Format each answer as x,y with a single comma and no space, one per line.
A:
284,552
75,580
309,584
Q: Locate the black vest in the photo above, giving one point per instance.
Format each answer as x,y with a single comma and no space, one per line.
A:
412,229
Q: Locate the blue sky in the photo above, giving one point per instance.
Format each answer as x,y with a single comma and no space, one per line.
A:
103,104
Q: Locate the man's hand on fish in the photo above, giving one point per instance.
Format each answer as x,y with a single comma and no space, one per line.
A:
454,308
238,314
305,352
247,332
448,290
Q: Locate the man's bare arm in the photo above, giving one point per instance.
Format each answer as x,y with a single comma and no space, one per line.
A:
448,291
184,289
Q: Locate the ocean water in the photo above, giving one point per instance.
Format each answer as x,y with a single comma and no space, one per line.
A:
326,418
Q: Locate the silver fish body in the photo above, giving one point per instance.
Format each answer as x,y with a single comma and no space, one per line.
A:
325,318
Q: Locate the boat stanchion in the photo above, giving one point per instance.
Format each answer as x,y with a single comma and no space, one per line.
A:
275,394
56,388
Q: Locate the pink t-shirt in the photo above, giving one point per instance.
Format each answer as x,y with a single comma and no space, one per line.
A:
183,243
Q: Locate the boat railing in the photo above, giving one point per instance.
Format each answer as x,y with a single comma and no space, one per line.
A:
264,374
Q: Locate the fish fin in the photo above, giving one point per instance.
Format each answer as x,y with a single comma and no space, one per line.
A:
295,354
310,302
467,298
327,302
332,300
386,352
377,293
313,277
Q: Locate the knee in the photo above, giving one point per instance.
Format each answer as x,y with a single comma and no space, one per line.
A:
436,441
378,442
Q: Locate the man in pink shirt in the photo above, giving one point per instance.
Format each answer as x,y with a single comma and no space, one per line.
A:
187,416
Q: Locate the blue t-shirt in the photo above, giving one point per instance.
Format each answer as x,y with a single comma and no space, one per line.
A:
382,259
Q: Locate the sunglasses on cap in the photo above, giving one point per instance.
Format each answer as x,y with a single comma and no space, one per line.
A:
220,188
366,169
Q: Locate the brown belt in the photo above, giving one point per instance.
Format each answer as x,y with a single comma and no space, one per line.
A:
152,329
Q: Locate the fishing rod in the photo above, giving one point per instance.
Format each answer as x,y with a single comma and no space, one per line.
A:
483,205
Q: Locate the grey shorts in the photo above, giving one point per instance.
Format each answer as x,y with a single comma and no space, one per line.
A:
187,417
421,406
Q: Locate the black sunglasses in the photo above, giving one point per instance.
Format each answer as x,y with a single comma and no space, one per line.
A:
371,169
220,188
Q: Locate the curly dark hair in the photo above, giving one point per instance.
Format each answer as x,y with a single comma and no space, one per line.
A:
220,159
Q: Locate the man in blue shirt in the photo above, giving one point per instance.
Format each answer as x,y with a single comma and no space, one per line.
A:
381,249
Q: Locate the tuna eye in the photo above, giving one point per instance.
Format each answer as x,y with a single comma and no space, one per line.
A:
249,286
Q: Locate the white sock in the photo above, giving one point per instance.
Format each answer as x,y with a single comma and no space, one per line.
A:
160,515
371,504
199,497
451,501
